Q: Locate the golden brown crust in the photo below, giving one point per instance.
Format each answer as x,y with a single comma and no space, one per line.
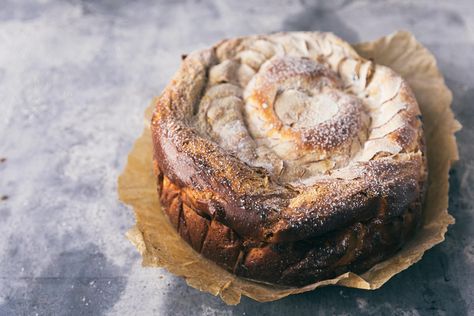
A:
285,198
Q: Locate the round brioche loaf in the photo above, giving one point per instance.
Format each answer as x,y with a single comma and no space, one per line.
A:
288,158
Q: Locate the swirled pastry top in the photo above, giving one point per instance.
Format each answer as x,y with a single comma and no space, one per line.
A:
291,135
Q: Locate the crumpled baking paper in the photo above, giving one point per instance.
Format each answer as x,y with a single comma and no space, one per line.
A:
161,246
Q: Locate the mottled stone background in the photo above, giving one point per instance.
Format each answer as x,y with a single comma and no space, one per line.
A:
75,77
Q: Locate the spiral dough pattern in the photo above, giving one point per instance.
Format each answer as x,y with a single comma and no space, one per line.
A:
288,158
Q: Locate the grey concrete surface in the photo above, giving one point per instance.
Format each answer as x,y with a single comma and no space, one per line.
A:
75,77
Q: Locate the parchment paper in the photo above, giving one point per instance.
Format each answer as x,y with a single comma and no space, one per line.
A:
161,246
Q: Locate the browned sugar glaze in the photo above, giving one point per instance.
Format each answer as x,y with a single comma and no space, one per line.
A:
288,158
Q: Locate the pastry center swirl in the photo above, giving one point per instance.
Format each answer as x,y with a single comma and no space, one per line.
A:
296,106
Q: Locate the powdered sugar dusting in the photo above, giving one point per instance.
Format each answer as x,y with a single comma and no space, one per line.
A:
298,106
